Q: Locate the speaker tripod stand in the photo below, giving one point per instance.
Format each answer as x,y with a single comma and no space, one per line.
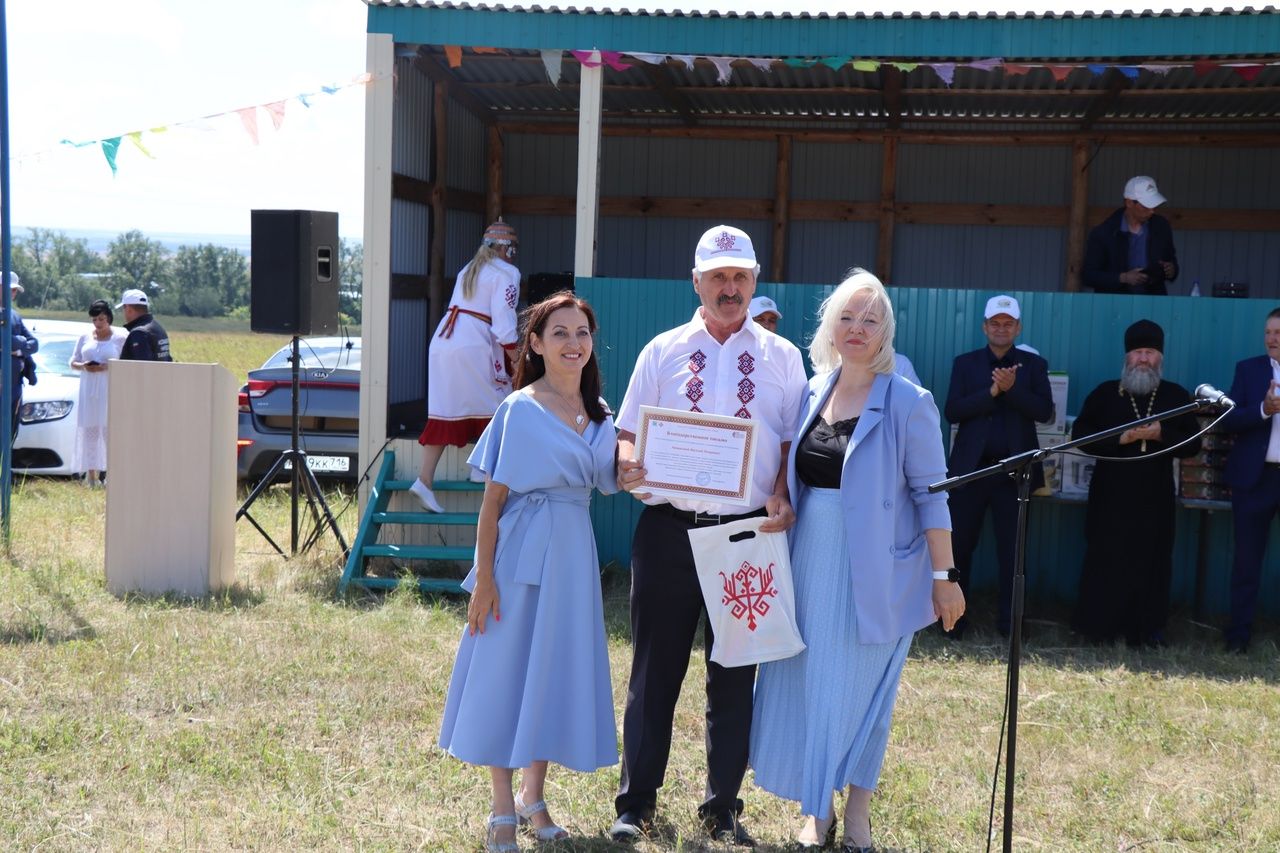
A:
302,480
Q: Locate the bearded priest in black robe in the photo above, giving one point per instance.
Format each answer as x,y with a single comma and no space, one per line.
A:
1128,559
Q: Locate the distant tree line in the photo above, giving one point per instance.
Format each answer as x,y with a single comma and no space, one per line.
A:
61,273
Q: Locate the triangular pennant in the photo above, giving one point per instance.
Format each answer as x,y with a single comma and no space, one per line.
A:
905,67
585,57
1097,70
1160,68
249,118
453,53
613,59
763,64
869,65
109,149
551,64
1130,71
303,98
488,49
160,129
723,70
945,70
331,90
1061,72
651,58
1013,69
686,58
986,64
1204,67
136,138
835,63
275,109
1247,72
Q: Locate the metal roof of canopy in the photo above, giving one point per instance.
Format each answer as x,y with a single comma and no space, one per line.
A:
513,86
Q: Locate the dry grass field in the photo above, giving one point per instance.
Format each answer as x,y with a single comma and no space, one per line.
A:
277,716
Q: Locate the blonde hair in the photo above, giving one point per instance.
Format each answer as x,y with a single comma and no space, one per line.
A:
822,349
484,255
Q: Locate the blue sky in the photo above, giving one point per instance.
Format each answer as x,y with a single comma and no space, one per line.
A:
87,70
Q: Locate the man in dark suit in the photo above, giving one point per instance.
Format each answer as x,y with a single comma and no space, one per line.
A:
996,396
1132,250
1253,472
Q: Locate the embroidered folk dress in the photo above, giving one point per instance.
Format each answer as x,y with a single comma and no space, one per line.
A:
91,408
535,686
467,376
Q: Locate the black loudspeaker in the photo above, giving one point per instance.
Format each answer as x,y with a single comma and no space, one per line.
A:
293,269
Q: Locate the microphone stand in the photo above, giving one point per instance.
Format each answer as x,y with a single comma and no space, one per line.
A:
1020,465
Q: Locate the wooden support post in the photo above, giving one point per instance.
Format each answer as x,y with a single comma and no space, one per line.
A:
888,197
588,203
435,271
781,209
493,192
1076,216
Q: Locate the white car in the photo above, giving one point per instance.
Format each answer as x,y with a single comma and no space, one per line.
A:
46,442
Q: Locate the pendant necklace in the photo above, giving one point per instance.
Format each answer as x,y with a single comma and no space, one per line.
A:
581,412
1151,404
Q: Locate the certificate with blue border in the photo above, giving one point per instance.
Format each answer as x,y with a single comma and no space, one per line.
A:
695,455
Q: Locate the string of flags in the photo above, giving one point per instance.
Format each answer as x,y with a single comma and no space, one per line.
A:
551,61
248,116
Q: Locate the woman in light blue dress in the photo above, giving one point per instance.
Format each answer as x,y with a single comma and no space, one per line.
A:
531,684
871,562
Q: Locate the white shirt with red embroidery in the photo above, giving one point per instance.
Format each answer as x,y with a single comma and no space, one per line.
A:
753,374
468,378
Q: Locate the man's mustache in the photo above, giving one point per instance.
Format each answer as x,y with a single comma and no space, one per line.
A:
736,299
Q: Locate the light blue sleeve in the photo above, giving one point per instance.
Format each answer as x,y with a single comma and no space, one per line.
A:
606,458
925,463
492,453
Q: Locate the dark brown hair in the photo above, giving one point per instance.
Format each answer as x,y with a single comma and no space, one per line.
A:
102,306
529,365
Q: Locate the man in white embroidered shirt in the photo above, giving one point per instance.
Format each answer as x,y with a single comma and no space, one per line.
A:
720,362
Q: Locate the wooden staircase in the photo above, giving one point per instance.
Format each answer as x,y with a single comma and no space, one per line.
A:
378,514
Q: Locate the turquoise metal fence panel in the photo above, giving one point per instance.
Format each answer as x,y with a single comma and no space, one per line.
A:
1081,334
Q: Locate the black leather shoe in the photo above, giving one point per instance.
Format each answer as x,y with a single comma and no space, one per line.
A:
848,847
629,826
727,828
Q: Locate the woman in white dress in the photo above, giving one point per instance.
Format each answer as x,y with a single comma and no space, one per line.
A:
91,355
467,371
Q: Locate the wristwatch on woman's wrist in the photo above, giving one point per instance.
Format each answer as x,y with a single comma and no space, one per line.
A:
952,575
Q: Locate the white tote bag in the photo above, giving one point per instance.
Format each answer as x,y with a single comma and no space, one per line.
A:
746,583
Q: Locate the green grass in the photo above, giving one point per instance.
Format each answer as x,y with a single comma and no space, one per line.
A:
277,717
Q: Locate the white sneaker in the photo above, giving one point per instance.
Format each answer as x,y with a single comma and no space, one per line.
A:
423,493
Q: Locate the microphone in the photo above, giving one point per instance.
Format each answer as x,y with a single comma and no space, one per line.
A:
1210,394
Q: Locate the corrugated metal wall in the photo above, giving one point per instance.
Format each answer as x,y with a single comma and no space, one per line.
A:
964,256
1078,333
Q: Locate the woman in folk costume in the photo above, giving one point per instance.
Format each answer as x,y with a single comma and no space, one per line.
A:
467,359
530,682
871,562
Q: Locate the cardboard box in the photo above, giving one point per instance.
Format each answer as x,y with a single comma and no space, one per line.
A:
1058,387
1077,471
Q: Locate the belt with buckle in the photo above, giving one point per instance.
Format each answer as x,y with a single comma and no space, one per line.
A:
706,519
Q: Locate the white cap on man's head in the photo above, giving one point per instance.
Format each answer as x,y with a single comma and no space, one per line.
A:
1143,190
724,246
133,297
1002,305
763,304
15,283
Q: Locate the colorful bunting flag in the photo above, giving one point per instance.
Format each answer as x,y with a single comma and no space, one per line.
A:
551,64
945,70
109,149
453,53
866,65
249,118
275,109
1247,72
136,138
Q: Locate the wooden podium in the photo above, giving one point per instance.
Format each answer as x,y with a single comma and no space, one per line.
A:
171,478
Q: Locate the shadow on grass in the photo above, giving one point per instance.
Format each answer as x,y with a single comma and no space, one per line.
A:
1193,650
36,630
236,597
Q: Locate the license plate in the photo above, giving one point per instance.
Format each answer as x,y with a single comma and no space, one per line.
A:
324,464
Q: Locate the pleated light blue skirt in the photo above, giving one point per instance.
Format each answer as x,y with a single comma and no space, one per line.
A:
822,718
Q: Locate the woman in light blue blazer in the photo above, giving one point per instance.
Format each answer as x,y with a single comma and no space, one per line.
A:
871,559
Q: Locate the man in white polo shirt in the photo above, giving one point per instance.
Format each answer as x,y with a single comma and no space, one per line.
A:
720,362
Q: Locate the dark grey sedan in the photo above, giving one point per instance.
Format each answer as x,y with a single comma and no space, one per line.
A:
328,409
